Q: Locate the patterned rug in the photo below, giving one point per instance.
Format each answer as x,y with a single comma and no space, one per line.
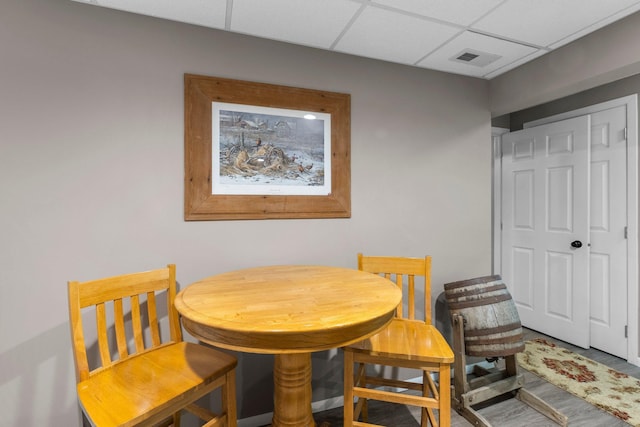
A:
605,388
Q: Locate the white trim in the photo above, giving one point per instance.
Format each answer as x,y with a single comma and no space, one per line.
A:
632,214
633,293
496,195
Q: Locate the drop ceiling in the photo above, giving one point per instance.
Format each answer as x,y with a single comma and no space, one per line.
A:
479,38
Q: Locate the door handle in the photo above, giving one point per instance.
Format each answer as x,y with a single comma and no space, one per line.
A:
576,244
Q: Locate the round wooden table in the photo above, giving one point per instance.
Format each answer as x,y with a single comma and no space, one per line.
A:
289,311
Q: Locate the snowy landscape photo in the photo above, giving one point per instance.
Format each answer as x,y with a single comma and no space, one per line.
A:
270,151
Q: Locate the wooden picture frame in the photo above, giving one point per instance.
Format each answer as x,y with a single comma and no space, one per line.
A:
200,203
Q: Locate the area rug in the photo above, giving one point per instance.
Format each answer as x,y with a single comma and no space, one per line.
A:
605,388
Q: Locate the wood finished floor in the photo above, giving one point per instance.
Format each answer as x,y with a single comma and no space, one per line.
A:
509,412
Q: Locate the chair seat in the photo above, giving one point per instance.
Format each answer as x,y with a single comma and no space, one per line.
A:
150,386
404,339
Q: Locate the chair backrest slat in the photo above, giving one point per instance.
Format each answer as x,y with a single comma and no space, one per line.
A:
121,335
405,270
136,323
411,294
103,338
116,292
153,319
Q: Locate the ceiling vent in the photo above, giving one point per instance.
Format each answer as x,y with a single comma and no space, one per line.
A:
467,57
475,57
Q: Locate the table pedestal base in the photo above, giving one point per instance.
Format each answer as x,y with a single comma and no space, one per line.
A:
292,391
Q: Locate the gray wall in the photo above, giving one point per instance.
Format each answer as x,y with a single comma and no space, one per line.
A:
601,57
617,89
91,166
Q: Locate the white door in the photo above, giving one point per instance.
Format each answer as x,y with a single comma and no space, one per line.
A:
608,251
545,227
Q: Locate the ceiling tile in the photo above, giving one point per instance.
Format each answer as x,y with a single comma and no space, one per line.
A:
515,64
461,12
544,22
310,23
208,13
597,25
392,36
508,52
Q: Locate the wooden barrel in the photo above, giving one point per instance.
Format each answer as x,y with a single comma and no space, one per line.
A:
492,326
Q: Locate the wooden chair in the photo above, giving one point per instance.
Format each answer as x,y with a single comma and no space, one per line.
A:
405,343
143,380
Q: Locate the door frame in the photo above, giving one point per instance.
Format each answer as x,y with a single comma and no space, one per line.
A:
633,292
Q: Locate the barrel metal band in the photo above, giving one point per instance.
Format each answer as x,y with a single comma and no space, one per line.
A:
495,330
477,291
475,281
488,341
479,302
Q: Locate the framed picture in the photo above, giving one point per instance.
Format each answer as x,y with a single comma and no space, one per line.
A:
261,151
